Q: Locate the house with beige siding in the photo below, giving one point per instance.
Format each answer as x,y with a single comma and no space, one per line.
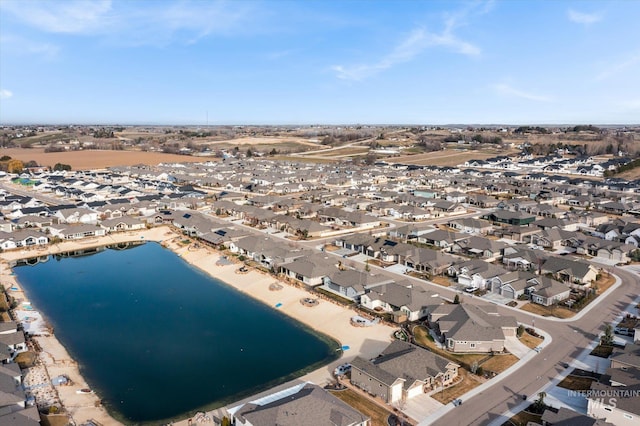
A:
401,372
471,329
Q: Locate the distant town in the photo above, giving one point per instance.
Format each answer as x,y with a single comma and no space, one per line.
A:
503,260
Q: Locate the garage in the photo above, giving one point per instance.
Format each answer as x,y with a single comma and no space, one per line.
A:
508,292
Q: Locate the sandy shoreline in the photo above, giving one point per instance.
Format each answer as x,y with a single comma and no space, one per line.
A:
327,317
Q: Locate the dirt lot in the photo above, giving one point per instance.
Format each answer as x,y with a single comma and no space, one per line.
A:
576,383
447,157
499,363
548,311
523,418
530,340
83,160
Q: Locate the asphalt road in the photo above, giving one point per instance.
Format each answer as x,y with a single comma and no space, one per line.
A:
569,340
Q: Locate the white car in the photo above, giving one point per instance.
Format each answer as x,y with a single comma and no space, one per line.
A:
341,370
470,289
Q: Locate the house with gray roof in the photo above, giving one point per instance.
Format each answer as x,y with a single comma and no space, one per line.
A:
567,417
550,292
469,225
475,272
480,247
126,223
310,270
76,232
571,271
427,261
405,300
470,328
304,404
401,372
351,283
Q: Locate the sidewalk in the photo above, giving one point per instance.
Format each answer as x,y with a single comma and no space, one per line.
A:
489,383
561,397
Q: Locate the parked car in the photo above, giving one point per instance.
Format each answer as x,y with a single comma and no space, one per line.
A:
471,289
624,331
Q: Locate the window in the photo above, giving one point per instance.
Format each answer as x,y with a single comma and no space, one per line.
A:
628,416
607,409
473,345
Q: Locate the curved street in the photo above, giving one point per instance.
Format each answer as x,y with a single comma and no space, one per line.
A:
569,339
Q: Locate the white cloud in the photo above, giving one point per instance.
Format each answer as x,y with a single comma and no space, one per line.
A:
508,90
619,67
133,23
583,18
21,45
413,45
5,94
71,17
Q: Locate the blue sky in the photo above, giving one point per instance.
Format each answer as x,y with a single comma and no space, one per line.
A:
319,62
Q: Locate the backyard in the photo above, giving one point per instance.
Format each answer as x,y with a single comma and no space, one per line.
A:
378,414
488,362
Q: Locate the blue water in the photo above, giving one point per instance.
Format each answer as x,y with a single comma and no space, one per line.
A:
158,339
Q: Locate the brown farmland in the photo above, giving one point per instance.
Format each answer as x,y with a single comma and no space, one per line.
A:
90,159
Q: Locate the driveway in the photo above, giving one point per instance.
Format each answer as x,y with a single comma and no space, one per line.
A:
516,347
496,298
397,268
420,407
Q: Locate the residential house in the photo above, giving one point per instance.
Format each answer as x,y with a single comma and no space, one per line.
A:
471,226
510,217
464,328
75,232
427,261
401,372
403,299
300,404
126,223
479,247
310,270
550,292
475,273
351,283
571,271
513,284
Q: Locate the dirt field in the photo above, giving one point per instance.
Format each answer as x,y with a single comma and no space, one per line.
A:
83,160
499,363
261,141
548,311
446,157
530,340
576,382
